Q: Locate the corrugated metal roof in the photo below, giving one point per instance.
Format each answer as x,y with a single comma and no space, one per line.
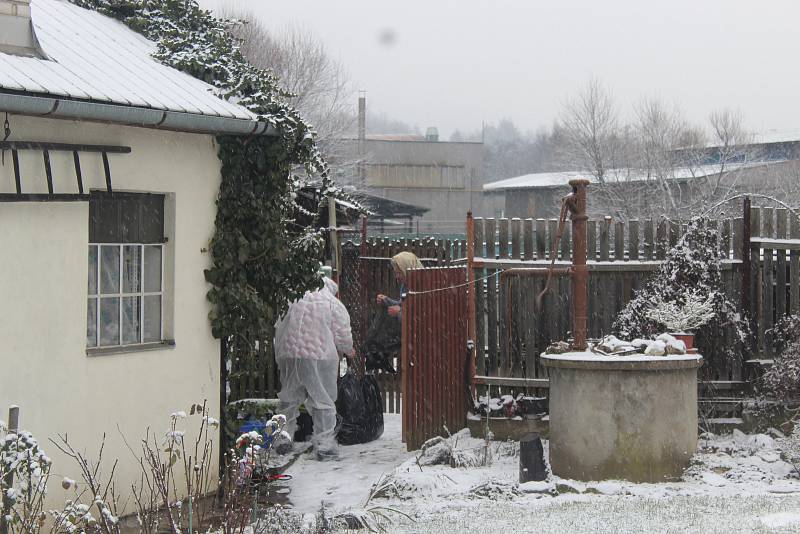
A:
558,179
94,57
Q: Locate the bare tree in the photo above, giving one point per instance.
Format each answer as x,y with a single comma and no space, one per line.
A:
318,85
591,127
730,140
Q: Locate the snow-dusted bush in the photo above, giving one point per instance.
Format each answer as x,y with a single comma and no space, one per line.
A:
781,381
690,271
23,459
687,316
785,332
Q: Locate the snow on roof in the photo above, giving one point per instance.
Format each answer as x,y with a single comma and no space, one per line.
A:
559,179
776,136
93,57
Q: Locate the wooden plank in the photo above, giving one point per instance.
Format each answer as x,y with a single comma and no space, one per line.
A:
480,237
504,328
591,240
17,178
649,240
541,241
755,278
775,243
725,239
527,239
661,240
633,240
737,237
794,266
491,300
619,241
605,226
107,171
66,147
48,171
503,237
480,301
781,232
512,381
768,283
594,266
675,232
516,231
490,236
566,242
552,245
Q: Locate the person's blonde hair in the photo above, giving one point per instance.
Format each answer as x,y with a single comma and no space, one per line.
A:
405,261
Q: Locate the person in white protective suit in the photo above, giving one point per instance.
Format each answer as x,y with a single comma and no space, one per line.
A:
308,341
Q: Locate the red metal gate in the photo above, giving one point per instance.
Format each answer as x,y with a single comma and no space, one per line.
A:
435,362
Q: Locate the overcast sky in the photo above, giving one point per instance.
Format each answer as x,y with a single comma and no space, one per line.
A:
453,64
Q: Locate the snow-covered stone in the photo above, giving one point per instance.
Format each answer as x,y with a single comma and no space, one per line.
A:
607,487
534,486
570,486
657,348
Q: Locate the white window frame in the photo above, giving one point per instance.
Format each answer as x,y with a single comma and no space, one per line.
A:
99,295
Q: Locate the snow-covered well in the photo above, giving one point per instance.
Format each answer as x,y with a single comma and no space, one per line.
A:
622,417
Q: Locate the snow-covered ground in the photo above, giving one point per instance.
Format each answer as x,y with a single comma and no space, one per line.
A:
736,483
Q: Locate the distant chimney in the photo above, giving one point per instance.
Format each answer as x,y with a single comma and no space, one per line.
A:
432,134
362,116
16,30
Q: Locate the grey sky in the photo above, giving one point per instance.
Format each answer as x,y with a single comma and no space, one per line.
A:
454,64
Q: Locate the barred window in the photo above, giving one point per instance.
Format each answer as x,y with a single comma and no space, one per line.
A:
126,263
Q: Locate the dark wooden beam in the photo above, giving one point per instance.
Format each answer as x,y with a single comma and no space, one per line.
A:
107,171
15,157
35,197
66,147
48,171
78,174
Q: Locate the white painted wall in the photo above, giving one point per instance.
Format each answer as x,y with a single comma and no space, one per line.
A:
44,367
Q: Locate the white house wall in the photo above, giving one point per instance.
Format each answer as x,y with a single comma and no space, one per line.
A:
44,367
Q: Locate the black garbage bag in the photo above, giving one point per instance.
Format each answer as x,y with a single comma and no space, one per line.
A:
305,427
383,342
360,406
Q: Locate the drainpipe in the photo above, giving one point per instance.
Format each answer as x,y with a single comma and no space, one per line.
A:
580,272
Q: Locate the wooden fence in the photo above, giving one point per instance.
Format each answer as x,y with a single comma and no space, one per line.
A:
366,272
435,360
774,272
761,273
513,332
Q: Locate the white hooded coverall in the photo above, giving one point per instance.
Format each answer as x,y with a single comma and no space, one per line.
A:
308,340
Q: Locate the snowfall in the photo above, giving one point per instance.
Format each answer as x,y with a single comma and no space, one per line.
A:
735,483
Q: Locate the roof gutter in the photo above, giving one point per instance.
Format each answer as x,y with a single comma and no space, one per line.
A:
58,108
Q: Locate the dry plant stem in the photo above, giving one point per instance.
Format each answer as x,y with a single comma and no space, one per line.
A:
162,479
91,476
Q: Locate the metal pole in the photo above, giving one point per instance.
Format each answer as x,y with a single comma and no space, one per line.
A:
580,272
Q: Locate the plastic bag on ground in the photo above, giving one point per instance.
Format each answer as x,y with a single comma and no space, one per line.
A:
360,406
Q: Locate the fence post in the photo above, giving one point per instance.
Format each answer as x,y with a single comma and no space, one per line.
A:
13,426
473,294
746,272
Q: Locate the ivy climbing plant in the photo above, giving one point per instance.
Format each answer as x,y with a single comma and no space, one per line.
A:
262,259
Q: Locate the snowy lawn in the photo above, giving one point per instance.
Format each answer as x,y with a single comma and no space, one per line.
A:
736,483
